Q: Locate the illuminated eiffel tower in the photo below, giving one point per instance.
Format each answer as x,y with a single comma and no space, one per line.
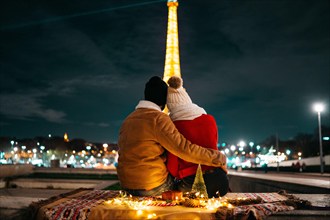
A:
172,58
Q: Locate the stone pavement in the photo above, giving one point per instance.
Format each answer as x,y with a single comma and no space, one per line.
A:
12,200
308,179
301,183
37,183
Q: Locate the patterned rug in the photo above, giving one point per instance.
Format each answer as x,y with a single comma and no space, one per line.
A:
255,211
266,197
80,207
89,204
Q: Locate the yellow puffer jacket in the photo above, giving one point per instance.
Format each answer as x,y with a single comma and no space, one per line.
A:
143,138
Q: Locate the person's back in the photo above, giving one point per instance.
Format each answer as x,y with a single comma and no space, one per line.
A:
139,151
200,128
202,131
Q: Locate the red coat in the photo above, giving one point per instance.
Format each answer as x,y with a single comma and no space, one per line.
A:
202,131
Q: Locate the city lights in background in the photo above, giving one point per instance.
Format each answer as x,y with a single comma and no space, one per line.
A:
242,155
239,156
242,144
288,152
248,154
299,155
45,153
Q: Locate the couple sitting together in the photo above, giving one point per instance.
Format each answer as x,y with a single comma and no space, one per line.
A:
160,152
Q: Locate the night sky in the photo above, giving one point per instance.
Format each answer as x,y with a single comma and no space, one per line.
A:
80,66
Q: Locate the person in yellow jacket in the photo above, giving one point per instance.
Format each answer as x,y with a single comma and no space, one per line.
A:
145,136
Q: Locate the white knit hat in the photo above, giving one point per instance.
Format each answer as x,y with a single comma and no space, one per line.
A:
176,94
179,103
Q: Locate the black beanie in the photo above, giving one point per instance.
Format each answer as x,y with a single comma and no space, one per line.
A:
156,91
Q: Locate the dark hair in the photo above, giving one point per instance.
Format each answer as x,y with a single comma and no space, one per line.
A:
156,91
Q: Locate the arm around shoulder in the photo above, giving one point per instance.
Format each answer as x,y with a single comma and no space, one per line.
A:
173,141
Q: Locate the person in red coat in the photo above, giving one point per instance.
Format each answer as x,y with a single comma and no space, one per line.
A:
200,128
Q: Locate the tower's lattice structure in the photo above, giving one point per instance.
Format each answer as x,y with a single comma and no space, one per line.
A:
172,58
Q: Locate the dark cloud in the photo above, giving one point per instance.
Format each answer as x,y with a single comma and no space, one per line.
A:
28,106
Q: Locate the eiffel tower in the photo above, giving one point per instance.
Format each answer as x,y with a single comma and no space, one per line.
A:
172,58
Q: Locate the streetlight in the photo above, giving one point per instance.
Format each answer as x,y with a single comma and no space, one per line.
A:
319,107
242,144
105,146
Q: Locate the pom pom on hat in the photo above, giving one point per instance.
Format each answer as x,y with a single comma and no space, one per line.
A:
179,103
177,95
175,82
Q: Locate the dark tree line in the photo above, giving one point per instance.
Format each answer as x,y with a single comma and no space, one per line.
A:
307,144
